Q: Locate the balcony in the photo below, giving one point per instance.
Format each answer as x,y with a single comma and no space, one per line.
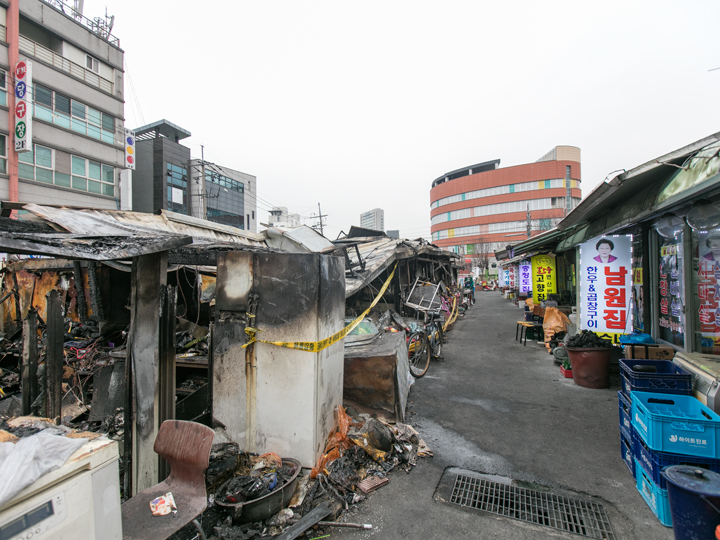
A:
44,54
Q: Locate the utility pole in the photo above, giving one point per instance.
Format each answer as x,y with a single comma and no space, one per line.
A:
320,218
529,221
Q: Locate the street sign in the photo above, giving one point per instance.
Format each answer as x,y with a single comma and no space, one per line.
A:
130,149
23,120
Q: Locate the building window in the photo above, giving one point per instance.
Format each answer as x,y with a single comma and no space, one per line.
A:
36,165
62,111
92,63
91,176
253,214
3,88
177,187
225,218
87,175
3,154
223,181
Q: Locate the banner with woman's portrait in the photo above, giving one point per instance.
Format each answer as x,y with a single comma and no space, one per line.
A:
606,285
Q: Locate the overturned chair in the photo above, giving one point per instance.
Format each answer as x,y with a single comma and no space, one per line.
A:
186,447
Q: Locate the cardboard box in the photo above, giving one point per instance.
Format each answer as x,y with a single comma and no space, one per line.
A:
649,352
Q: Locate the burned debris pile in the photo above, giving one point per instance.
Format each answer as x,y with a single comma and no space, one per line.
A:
359,457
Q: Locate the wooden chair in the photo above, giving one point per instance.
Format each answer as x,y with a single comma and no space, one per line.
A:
186,447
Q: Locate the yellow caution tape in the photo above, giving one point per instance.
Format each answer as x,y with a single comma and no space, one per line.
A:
315,346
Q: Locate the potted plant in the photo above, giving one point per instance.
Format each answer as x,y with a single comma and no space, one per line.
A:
565,369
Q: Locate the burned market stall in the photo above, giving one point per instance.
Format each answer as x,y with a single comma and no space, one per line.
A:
376,379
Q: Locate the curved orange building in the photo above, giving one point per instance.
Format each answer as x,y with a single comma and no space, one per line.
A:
484,204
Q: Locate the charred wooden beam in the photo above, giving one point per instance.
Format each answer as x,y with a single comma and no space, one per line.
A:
166,366
29,362
80,292
95,296
149,275
54,357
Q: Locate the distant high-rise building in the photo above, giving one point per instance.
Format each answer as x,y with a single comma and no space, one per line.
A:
373,219
394,234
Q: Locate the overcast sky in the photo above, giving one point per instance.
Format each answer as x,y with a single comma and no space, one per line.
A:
358,105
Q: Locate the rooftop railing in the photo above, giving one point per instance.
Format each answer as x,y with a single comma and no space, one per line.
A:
97,26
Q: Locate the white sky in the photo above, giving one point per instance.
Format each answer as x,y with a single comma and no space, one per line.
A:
358,105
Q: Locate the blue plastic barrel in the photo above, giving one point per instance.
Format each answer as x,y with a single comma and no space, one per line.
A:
694,495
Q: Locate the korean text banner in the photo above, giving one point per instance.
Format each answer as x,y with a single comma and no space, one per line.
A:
513,276
525,277
606,284
543,277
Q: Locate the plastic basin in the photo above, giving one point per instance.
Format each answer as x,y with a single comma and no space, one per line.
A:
590,367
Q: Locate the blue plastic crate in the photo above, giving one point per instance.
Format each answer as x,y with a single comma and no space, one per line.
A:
676,424
653,462
628,453
656,498
669,378
625,406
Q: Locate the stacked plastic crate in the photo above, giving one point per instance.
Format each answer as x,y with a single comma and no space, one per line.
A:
668,426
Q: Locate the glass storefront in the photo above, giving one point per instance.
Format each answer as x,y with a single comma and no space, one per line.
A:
671,285
706,290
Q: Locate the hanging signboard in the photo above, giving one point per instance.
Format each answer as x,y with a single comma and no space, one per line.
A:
504,277
606,285
513,276
129,149
544,278
525,277
23,107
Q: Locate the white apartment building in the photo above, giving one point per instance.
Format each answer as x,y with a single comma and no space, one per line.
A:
279,217
373,219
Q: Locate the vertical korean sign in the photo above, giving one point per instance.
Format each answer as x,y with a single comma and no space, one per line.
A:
606,285
23,107
513,281
543,277
525,277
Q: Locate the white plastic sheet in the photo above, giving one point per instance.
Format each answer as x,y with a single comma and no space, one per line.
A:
23,462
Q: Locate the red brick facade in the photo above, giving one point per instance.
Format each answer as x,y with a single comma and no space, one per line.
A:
519,174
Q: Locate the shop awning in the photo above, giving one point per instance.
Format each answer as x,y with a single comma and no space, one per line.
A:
615,197
517,259
546,240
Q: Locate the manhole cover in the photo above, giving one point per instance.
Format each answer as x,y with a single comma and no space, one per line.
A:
568,514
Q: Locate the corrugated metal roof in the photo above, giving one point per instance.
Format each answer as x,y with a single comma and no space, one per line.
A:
120,223
381,254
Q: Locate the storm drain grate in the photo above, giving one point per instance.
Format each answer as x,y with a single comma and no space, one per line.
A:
564,513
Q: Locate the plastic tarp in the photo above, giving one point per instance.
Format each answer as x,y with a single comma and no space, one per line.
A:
555,321
23,462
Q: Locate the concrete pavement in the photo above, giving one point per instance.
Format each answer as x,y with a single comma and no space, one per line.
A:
496,407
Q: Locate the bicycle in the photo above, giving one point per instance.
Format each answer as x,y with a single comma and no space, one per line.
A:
419,352
435,333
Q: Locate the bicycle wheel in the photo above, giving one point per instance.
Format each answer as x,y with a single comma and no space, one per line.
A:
418,355
436,341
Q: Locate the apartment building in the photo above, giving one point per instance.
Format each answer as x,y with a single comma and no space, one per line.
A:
485,207
76,96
